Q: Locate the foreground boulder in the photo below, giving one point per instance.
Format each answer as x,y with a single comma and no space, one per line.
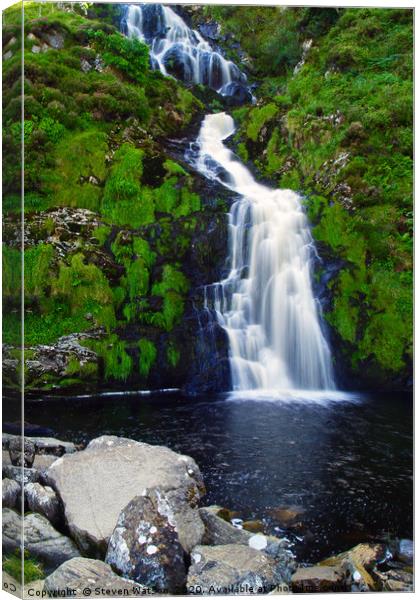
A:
81,574
231,569
145,544
318,579
97,483
10,493
42,541
221,532
44,500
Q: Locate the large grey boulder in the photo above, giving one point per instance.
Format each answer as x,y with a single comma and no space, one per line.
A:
44,500
145,544
40,539
97,483
80,574
231,569
10,493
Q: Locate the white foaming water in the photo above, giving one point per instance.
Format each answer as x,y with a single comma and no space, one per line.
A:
265,304
175,49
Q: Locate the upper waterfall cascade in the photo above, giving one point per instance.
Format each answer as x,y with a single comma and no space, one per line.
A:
177,50
265,304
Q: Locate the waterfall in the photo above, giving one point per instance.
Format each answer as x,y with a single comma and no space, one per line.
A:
177,50
265,304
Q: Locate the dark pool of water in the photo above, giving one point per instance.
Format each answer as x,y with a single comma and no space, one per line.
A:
347,465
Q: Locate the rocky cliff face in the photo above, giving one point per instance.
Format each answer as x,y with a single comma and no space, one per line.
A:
119,233
333,121
119,236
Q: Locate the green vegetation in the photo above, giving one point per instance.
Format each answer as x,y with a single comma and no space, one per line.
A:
340,131
147,358
32,570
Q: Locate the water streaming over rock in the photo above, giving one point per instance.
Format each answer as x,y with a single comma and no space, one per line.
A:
177,50
266,303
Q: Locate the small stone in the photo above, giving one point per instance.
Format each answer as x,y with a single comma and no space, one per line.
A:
31,37
7,55
318,579
36,49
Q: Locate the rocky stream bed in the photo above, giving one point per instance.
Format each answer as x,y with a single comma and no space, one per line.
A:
122,517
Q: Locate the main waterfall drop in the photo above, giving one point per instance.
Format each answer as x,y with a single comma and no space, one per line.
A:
265,304
177,50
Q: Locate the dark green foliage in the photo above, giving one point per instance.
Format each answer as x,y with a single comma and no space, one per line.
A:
147,357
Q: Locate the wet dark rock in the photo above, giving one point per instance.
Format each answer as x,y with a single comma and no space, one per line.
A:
236,94
405,551
210,30
395,580
43,445
146,545
21,452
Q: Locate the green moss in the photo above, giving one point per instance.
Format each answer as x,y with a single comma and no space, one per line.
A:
142,249
84,288
37,265
11,272
125,202
77,159
258,117
148,354
101,233
173,168
172,280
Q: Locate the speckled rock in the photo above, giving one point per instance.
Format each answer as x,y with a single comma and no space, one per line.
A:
79,574
10,493
44,500
97,483
231,569
145,544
